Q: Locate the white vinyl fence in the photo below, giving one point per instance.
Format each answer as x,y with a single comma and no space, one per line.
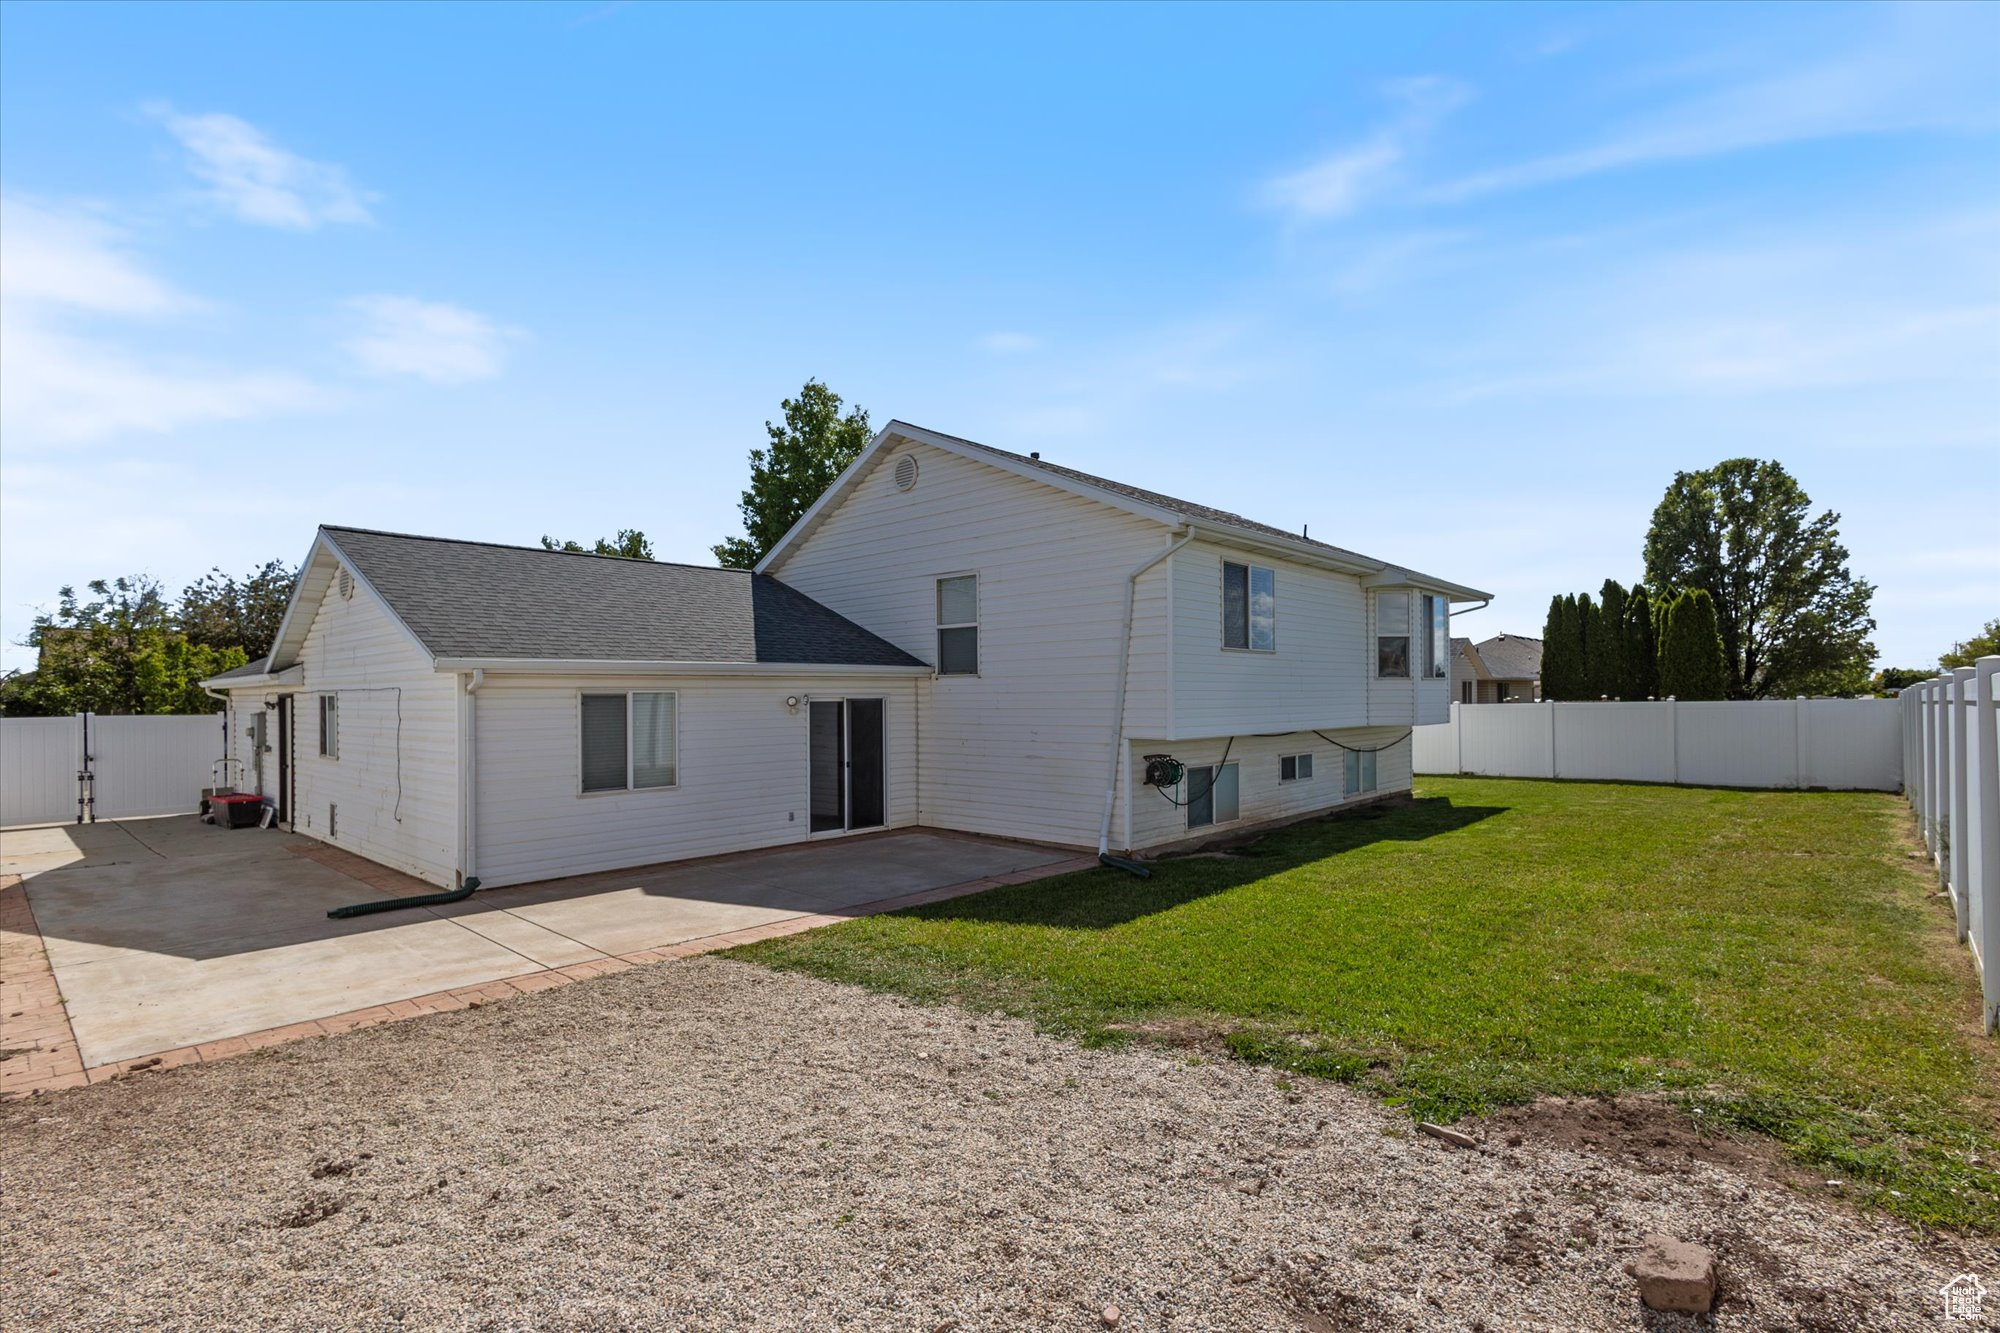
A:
1838,743
1951,750
136,766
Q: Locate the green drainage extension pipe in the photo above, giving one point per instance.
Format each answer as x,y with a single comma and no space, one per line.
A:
1120,863
457,895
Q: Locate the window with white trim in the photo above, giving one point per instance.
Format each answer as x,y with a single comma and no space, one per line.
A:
1360,773
1249,607
630,741
329,725
958,625
1392,634
1437,637
1212,795
1295,768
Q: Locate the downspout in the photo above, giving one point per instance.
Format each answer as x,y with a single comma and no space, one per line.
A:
468,780
1118,705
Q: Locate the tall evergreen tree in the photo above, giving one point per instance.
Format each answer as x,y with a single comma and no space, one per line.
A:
1604,641
1587,616
1642,667
1552,663
1692,662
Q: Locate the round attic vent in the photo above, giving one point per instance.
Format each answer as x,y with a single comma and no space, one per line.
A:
906,472
346,582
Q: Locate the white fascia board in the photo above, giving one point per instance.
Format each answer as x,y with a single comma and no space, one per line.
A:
570,666
380,600
1396,577
306,578
828,498
1224,534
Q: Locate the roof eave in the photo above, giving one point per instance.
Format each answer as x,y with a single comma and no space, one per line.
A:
575,666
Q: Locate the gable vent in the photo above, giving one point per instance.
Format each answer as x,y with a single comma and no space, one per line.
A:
345,581
906,472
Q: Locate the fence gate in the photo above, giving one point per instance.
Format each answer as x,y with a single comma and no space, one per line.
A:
61,769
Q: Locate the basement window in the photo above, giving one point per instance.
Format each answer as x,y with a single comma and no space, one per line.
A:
630,741
1249,608
1295,768
958,625
1211,795
1360,772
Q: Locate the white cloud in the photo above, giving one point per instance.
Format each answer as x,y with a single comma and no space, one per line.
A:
445,344
257,181
75,260
1929,71
62,270
1339,183
1006,342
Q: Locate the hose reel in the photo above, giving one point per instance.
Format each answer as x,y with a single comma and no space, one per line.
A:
1163,770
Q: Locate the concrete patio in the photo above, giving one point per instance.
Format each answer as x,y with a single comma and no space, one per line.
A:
174,938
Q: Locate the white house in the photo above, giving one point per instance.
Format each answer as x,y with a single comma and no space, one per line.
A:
953,636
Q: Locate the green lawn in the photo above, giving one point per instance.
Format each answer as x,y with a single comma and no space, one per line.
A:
1774,959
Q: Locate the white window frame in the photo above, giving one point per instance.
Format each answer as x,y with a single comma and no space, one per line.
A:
329,735
1409,640
1302,766
1250,572
630,750
1359,773
978,634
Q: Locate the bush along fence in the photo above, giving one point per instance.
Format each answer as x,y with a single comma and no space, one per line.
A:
1951,752
1800,743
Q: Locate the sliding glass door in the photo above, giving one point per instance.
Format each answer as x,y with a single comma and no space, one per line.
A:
848,764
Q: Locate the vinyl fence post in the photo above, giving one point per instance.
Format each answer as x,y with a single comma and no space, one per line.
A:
1961,778
1674,726
1554,771
1986,754
1799,741
1457,738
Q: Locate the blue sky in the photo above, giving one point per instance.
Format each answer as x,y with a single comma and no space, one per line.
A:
1458,287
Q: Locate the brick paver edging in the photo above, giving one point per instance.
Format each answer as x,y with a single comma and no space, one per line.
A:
46,1073
38,1050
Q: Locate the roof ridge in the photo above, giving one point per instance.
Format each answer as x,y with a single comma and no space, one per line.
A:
532,550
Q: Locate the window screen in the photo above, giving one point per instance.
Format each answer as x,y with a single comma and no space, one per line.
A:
1212,795
603,742
653,740
1263,609
1235,606
1295,768
958,625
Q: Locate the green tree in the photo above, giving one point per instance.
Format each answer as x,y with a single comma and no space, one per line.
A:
814,446
630,543
1604,643
1564,671
1791,615
1986,643
1897,678
217,611
1642,666
1692,662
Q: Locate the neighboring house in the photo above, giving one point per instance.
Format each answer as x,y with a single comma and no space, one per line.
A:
953,636
1506,668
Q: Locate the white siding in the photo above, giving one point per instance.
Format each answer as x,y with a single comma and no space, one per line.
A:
1318,677
395,780
1021,749
741,781
1262,796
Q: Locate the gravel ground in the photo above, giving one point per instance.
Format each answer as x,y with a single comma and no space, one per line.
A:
706,1145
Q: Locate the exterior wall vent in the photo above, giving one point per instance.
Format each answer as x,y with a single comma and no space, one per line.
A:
346,583
906,472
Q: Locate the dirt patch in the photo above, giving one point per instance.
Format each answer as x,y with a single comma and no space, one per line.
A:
1642,1133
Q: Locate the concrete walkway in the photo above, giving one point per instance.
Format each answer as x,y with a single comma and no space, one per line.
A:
175,939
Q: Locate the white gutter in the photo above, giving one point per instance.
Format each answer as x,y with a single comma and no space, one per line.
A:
468,777
574,666
1118,708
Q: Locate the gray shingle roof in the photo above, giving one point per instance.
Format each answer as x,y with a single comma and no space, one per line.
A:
254,667
479,600
1511,656
1186,508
